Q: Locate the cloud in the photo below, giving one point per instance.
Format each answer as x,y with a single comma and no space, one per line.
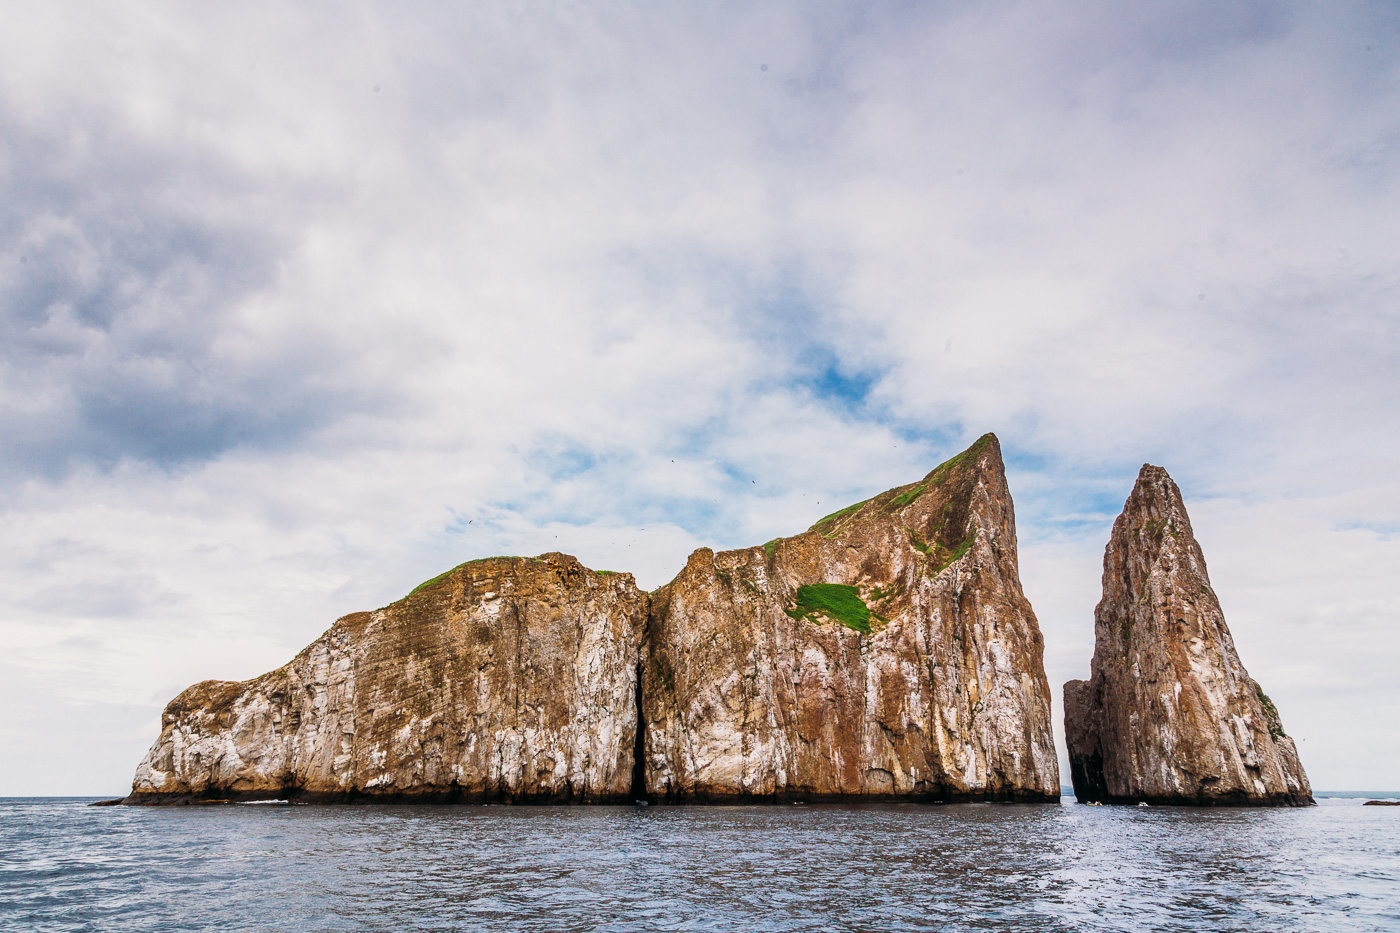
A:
131,266
299,307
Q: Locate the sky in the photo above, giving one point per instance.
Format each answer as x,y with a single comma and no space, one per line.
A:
303,304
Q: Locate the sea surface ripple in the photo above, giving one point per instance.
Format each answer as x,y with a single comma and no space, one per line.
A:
67,867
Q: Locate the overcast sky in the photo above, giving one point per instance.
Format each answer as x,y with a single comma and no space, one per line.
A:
302,304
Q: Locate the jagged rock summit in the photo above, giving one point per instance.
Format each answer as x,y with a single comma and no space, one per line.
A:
886,653
1169,714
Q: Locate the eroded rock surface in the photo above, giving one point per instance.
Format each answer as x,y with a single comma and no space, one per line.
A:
504,679
1169,714
887,652
933,686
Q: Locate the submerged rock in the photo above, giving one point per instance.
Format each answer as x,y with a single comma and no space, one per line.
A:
504,679
886,652
1169,714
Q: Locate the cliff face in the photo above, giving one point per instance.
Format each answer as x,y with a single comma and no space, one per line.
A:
1169,714
504,679
886,652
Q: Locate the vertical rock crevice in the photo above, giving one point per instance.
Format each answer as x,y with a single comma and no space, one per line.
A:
639,743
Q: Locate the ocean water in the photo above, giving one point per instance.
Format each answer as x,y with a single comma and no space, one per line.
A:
66,866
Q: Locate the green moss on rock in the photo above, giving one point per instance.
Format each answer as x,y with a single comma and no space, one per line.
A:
830,525
904,498
836,601
940,472
941,557
435,580
447,573
1270,713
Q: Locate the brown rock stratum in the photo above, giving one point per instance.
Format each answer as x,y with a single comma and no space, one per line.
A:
1169,714
886,653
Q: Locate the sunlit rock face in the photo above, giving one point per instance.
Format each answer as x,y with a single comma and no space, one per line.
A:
504,679
887,652
1169,714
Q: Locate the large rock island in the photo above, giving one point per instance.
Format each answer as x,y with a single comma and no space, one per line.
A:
886,653
507,678
1169,714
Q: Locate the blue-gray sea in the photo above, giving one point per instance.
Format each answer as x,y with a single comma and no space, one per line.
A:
66,866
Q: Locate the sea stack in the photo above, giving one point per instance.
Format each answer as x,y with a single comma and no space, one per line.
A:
886,652
1169,715
507,678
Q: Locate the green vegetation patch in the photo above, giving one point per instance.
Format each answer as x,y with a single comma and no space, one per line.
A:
444,575
956,553
771,546
1270,713
836,601
435,580
940,472
940,556
904,498
832,523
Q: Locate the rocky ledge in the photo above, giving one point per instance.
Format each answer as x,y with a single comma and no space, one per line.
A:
1169,715
888,652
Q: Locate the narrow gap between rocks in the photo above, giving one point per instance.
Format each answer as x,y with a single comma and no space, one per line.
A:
639,746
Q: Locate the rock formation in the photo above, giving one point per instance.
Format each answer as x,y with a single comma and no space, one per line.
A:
888,651
1169,714
505,679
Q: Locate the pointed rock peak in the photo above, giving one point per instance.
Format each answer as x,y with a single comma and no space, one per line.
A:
957,477
1170,715
1154,522
983,454
1155,489
952,480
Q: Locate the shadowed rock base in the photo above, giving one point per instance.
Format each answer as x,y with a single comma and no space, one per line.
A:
447,795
